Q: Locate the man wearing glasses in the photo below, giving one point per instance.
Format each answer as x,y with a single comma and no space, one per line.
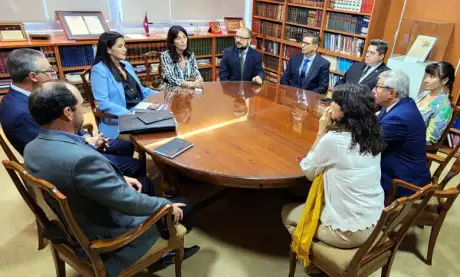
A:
28,68
308,70
404,132
366,73
241,62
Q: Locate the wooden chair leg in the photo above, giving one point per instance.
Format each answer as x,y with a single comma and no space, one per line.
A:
41,240
435,229
178,260
58,263
386,269
292,263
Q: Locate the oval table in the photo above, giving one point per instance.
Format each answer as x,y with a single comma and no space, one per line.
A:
244,135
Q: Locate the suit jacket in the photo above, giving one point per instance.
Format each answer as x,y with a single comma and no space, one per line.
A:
229,69
405,156
110,95
317,78
356,70
18,124
103,204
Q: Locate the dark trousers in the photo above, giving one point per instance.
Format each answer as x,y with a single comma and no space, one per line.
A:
120,153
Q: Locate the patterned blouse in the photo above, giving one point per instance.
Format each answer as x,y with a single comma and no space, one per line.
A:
436,115
173,74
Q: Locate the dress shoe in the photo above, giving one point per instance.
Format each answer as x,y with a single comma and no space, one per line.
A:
168,259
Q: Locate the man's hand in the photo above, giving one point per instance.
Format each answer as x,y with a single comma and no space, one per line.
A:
177,211
134,183
257,80
99,141
325,121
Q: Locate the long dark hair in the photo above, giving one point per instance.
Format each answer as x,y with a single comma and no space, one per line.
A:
106,41
357,104
173,33
442,70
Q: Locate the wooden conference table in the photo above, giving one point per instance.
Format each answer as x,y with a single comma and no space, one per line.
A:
244,135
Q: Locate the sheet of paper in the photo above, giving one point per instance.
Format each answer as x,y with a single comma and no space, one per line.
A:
94,25
12,35
76,25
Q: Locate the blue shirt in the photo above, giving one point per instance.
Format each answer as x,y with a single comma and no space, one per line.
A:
243,54
76,137
308,65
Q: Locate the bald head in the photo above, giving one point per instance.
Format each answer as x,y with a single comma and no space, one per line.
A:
49,101
243,38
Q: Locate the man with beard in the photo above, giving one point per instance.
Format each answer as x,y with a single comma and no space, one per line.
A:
308,70
241,62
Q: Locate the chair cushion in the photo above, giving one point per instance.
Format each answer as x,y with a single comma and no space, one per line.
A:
336,260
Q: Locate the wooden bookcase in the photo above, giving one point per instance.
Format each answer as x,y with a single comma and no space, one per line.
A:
377,18
213,50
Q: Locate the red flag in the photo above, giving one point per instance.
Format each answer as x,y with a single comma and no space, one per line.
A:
146,25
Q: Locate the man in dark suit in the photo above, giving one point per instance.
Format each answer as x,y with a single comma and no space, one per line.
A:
27,68
366,73
308,70
105,203
241,62
404,132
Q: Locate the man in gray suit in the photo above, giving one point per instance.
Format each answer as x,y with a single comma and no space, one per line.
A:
104,202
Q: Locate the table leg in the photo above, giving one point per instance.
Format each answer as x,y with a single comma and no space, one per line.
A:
169,184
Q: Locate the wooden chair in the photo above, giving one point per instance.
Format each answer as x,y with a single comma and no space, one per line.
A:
443,161
150,58
9,153
380,248
435,147
87,88
66,236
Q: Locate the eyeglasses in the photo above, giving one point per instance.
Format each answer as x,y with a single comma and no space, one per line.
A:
240,38
305,43
383,87
50,71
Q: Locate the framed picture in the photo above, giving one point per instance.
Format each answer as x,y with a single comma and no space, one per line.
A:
12,31
233,24
82,25
215,28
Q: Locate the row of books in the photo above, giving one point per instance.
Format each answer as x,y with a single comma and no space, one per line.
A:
272,47
206,74
344,44
77,55
305,16
453,139
364,6
218,59
135,51
267,28
348,23
201,46
47,50
333,78
3,56
313,3
271,62
290,51
273,11
270,77
295,33
222,43
5,83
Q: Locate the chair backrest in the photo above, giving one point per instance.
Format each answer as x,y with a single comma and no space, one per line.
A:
87,88
64,231
444,161
150,58
391,228
9,153
435,147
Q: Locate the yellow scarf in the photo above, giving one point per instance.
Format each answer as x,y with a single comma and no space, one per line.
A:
306,228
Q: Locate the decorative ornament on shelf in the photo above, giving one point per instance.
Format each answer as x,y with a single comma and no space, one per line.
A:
214,28
146,25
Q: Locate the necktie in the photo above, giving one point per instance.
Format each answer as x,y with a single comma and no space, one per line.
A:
242,64
366,69
303,71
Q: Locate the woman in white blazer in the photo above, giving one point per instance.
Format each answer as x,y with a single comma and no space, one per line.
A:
115,85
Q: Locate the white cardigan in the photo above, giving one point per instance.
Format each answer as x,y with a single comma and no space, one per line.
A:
354,198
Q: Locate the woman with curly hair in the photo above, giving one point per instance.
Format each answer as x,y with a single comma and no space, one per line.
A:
347,151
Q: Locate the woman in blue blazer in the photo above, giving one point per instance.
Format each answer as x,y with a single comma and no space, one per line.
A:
115,85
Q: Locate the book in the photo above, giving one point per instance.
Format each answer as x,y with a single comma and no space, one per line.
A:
173,148
131,124
420,49
154,116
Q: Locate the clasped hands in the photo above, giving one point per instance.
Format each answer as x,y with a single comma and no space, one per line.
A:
99,142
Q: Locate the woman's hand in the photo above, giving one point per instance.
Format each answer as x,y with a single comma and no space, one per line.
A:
325,121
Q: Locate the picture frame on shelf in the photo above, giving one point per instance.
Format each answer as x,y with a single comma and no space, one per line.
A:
12,31
233,24
82,25
214,28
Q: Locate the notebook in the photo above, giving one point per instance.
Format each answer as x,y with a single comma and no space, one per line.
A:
131,124
173,148
154,116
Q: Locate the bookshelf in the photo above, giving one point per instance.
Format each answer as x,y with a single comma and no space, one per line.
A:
72,57
341,27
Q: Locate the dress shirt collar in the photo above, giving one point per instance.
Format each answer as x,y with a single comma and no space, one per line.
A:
391,106
311,58
23,91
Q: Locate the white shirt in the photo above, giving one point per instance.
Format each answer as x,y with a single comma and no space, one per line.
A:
369,72
23,91
310,61
352,191
391,106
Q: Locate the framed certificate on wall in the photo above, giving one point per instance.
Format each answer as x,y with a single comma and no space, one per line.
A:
233,24
82,25
12,31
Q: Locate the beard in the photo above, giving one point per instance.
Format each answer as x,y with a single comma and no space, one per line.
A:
78,125
241,47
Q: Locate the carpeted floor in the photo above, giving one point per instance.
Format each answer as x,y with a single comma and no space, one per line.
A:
241,235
